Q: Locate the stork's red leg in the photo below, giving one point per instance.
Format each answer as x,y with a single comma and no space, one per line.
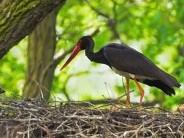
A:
140,89
127,92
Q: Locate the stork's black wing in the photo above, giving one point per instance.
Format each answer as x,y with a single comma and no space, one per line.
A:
126,59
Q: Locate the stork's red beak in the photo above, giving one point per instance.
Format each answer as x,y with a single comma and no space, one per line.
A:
74,53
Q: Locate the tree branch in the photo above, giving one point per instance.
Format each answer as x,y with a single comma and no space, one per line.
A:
19,18
111,21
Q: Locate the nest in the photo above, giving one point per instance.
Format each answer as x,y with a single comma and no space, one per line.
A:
32,118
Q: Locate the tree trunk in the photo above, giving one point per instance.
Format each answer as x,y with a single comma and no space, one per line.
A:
41,49
18,19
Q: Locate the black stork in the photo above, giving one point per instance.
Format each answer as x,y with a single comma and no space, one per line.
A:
129,63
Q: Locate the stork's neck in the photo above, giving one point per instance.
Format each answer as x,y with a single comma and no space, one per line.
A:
95,56
89,51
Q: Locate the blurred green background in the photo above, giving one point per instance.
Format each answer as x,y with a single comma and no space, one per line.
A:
155,28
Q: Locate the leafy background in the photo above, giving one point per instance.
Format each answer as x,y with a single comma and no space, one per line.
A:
154,28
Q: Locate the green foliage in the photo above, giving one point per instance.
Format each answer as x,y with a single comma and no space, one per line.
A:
153,27
13,69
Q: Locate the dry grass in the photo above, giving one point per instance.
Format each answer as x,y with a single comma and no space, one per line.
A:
31,118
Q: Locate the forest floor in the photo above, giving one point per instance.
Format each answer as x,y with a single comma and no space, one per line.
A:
36,119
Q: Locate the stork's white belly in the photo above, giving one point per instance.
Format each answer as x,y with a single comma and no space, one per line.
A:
129,75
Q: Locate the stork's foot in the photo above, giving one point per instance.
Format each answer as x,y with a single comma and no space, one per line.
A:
118,104
127,101
141,91
141,95
114,108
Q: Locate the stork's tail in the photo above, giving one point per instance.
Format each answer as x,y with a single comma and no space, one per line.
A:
164,87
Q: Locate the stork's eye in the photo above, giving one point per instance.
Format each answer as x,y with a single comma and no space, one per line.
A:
81,44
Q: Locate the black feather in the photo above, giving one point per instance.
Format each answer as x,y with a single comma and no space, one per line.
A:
124,58
159,84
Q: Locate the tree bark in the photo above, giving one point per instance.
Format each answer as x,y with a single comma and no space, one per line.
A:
19,18
41,49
